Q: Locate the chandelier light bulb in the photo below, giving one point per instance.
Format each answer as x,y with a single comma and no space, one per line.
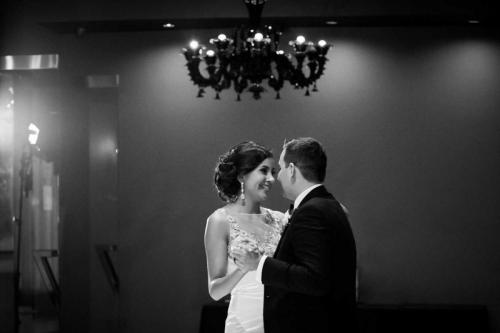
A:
222,37
194,44
258,37
321,43
300,40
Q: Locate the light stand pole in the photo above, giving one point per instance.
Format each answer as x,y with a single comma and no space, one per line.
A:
25,185
24,173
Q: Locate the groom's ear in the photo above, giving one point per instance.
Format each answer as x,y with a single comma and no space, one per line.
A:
293,170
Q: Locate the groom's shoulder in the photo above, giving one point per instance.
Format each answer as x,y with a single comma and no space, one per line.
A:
320,201
325,205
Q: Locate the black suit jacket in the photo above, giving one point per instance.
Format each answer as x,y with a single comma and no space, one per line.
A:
309,284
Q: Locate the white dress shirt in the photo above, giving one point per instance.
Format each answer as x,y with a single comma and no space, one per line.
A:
296,203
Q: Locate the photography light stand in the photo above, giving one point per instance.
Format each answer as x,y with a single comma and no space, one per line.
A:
25,185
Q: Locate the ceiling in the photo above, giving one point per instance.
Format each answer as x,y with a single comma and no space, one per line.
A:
72,16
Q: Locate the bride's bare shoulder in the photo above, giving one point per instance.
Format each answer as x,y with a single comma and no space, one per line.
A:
218,218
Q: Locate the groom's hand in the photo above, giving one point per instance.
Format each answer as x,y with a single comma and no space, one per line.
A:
245,260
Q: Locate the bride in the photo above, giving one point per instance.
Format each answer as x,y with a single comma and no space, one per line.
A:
243,177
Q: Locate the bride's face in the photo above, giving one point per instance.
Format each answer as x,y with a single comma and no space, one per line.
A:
260,180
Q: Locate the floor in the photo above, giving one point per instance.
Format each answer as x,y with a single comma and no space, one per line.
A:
33,323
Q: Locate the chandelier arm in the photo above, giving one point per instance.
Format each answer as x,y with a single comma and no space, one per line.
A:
258,69
219,78
194,73
283,66
236,73
224,73
313,73
297,77
240,84
316,70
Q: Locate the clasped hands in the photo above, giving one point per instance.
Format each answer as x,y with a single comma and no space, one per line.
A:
246,260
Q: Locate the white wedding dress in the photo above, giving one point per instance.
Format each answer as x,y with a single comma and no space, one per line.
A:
254,232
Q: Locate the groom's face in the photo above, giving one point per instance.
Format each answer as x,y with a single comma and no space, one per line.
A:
284,177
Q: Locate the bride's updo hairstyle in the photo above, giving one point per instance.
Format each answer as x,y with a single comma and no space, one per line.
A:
238,161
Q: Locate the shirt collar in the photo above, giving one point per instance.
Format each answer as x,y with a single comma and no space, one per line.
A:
302,195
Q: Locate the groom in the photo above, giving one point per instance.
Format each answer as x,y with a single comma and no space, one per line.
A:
309,283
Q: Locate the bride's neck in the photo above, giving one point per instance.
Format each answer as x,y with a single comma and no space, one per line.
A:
247,208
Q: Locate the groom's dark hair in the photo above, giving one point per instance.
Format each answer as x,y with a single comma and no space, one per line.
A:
308,155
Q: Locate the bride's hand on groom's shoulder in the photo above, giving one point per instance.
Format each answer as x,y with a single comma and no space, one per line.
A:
246,260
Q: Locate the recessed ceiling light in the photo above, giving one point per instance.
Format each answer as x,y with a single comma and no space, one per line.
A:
473,21
331,22
169,25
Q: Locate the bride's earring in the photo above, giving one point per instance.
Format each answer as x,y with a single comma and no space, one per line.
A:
242,193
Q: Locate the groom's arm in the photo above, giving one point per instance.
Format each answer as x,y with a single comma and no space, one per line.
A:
312,268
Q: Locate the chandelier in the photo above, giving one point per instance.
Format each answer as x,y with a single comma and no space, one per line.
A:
251,56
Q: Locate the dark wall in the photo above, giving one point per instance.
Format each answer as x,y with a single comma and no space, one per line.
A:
409,117
411,125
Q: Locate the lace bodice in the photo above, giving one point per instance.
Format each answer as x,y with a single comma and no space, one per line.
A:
255,232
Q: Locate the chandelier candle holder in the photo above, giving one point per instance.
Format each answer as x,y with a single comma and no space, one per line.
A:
253,56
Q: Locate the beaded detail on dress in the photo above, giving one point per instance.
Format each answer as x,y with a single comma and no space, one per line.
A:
264,244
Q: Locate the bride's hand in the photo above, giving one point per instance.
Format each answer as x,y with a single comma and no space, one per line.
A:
245,260
240,265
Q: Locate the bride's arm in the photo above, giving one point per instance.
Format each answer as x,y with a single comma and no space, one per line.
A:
216,240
